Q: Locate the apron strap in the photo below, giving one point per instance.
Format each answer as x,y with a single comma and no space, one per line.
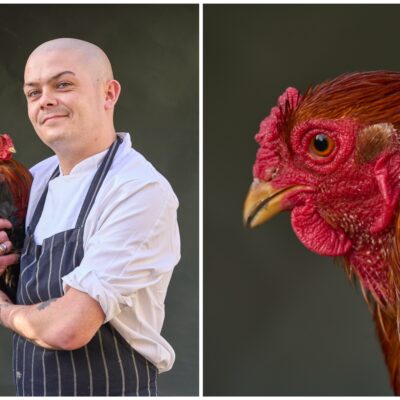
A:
91,195
39,208
97,182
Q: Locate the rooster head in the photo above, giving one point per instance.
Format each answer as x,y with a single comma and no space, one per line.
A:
6,147
332,158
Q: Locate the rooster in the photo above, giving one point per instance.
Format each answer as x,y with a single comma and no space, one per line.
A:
332,158
15,184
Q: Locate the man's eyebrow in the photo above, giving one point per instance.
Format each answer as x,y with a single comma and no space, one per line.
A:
51,79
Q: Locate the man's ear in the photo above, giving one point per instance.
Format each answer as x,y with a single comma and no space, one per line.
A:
113,90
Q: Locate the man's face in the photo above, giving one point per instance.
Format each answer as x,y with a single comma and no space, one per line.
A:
64,100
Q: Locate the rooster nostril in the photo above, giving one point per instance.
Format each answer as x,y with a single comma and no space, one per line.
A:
270,173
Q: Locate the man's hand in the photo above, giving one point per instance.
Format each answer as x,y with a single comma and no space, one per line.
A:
4,299
6,246
4,302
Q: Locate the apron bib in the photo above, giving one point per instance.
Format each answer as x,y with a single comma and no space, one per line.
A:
107,365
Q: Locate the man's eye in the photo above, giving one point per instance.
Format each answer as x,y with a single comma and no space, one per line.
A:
63,85
33,93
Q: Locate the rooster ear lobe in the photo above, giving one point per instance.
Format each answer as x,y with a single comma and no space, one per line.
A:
386,175
373,140
372,143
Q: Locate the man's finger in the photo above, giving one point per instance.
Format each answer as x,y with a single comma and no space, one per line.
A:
5,247
8,259
3,237
5,224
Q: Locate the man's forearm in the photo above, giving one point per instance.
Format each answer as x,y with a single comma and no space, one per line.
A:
65,323
30,321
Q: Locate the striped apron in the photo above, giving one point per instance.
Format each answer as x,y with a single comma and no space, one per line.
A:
107,365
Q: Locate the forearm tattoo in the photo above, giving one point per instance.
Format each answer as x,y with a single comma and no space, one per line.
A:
42,306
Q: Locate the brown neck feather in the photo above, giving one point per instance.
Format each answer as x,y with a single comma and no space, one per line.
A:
387,329
387,316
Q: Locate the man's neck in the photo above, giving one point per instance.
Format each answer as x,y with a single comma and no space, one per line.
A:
69,160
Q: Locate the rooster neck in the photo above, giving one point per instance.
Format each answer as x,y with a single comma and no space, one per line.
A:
375,260
370,259
377,263
388,332
369,256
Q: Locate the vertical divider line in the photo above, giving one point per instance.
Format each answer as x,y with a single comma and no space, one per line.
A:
201,199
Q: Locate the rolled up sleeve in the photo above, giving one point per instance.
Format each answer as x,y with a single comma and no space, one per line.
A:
133,240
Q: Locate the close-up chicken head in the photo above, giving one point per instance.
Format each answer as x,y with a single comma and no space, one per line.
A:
332,158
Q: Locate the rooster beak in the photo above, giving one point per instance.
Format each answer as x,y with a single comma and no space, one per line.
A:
262,203
12,150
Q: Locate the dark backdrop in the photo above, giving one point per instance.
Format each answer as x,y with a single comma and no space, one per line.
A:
278,319
154,52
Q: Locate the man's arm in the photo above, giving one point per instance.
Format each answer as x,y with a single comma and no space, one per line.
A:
64,323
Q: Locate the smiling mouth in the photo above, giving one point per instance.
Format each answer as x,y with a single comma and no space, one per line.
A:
52,118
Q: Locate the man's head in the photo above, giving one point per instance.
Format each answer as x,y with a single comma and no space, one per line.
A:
71,94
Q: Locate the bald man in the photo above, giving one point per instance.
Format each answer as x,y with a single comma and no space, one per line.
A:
102,240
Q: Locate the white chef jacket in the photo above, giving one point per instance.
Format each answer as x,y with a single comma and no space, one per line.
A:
131,241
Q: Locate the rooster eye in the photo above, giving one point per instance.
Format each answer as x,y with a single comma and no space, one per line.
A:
321,145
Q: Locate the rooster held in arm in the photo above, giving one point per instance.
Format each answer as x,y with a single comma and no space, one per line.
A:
15,184
332,158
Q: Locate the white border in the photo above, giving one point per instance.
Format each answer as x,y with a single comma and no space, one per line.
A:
200,42
201,200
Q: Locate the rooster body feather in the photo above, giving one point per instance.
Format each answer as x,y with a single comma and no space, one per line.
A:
15,184
332,158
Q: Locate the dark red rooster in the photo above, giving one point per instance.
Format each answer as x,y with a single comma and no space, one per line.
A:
332,158
15,184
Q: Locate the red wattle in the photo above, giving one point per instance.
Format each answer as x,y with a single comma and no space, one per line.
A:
316,234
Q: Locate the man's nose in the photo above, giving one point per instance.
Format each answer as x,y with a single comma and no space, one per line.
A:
47,99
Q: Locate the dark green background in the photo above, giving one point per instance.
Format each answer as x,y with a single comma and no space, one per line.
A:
278,319
154,52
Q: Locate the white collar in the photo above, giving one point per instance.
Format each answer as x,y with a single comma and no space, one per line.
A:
92,163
